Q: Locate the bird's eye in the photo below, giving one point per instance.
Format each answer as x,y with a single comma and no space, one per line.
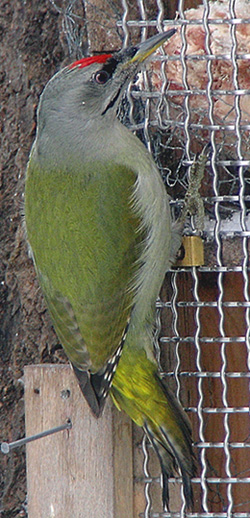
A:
101,77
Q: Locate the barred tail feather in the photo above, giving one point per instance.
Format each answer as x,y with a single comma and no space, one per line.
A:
140,391
174,454
170,462
186,473
167,463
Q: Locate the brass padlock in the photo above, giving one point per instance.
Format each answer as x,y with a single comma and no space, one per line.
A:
193,251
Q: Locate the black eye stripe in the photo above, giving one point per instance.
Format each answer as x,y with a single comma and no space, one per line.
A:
110,66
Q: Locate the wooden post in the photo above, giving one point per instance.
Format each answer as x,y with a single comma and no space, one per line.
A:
83,472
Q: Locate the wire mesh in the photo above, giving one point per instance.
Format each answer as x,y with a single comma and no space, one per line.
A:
204,311
201,94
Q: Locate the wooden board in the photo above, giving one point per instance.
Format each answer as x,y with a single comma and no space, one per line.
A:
82,472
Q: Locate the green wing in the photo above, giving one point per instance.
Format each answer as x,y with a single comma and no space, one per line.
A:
86,240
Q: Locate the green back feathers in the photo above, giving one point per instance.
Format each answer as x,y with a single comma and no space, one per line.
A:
86,240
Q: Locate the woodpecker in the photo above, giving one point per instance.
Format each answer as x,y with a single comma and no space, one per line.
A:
100,232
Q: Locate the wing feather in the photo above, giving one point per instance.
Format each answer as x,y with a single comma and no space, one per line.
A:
86,238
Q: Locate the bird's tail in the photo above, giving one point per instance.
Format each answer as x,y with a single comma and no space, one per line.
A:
138,390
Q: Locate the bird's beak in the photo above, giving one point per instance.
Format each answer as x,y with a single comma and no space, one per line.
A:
128,63
148,47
